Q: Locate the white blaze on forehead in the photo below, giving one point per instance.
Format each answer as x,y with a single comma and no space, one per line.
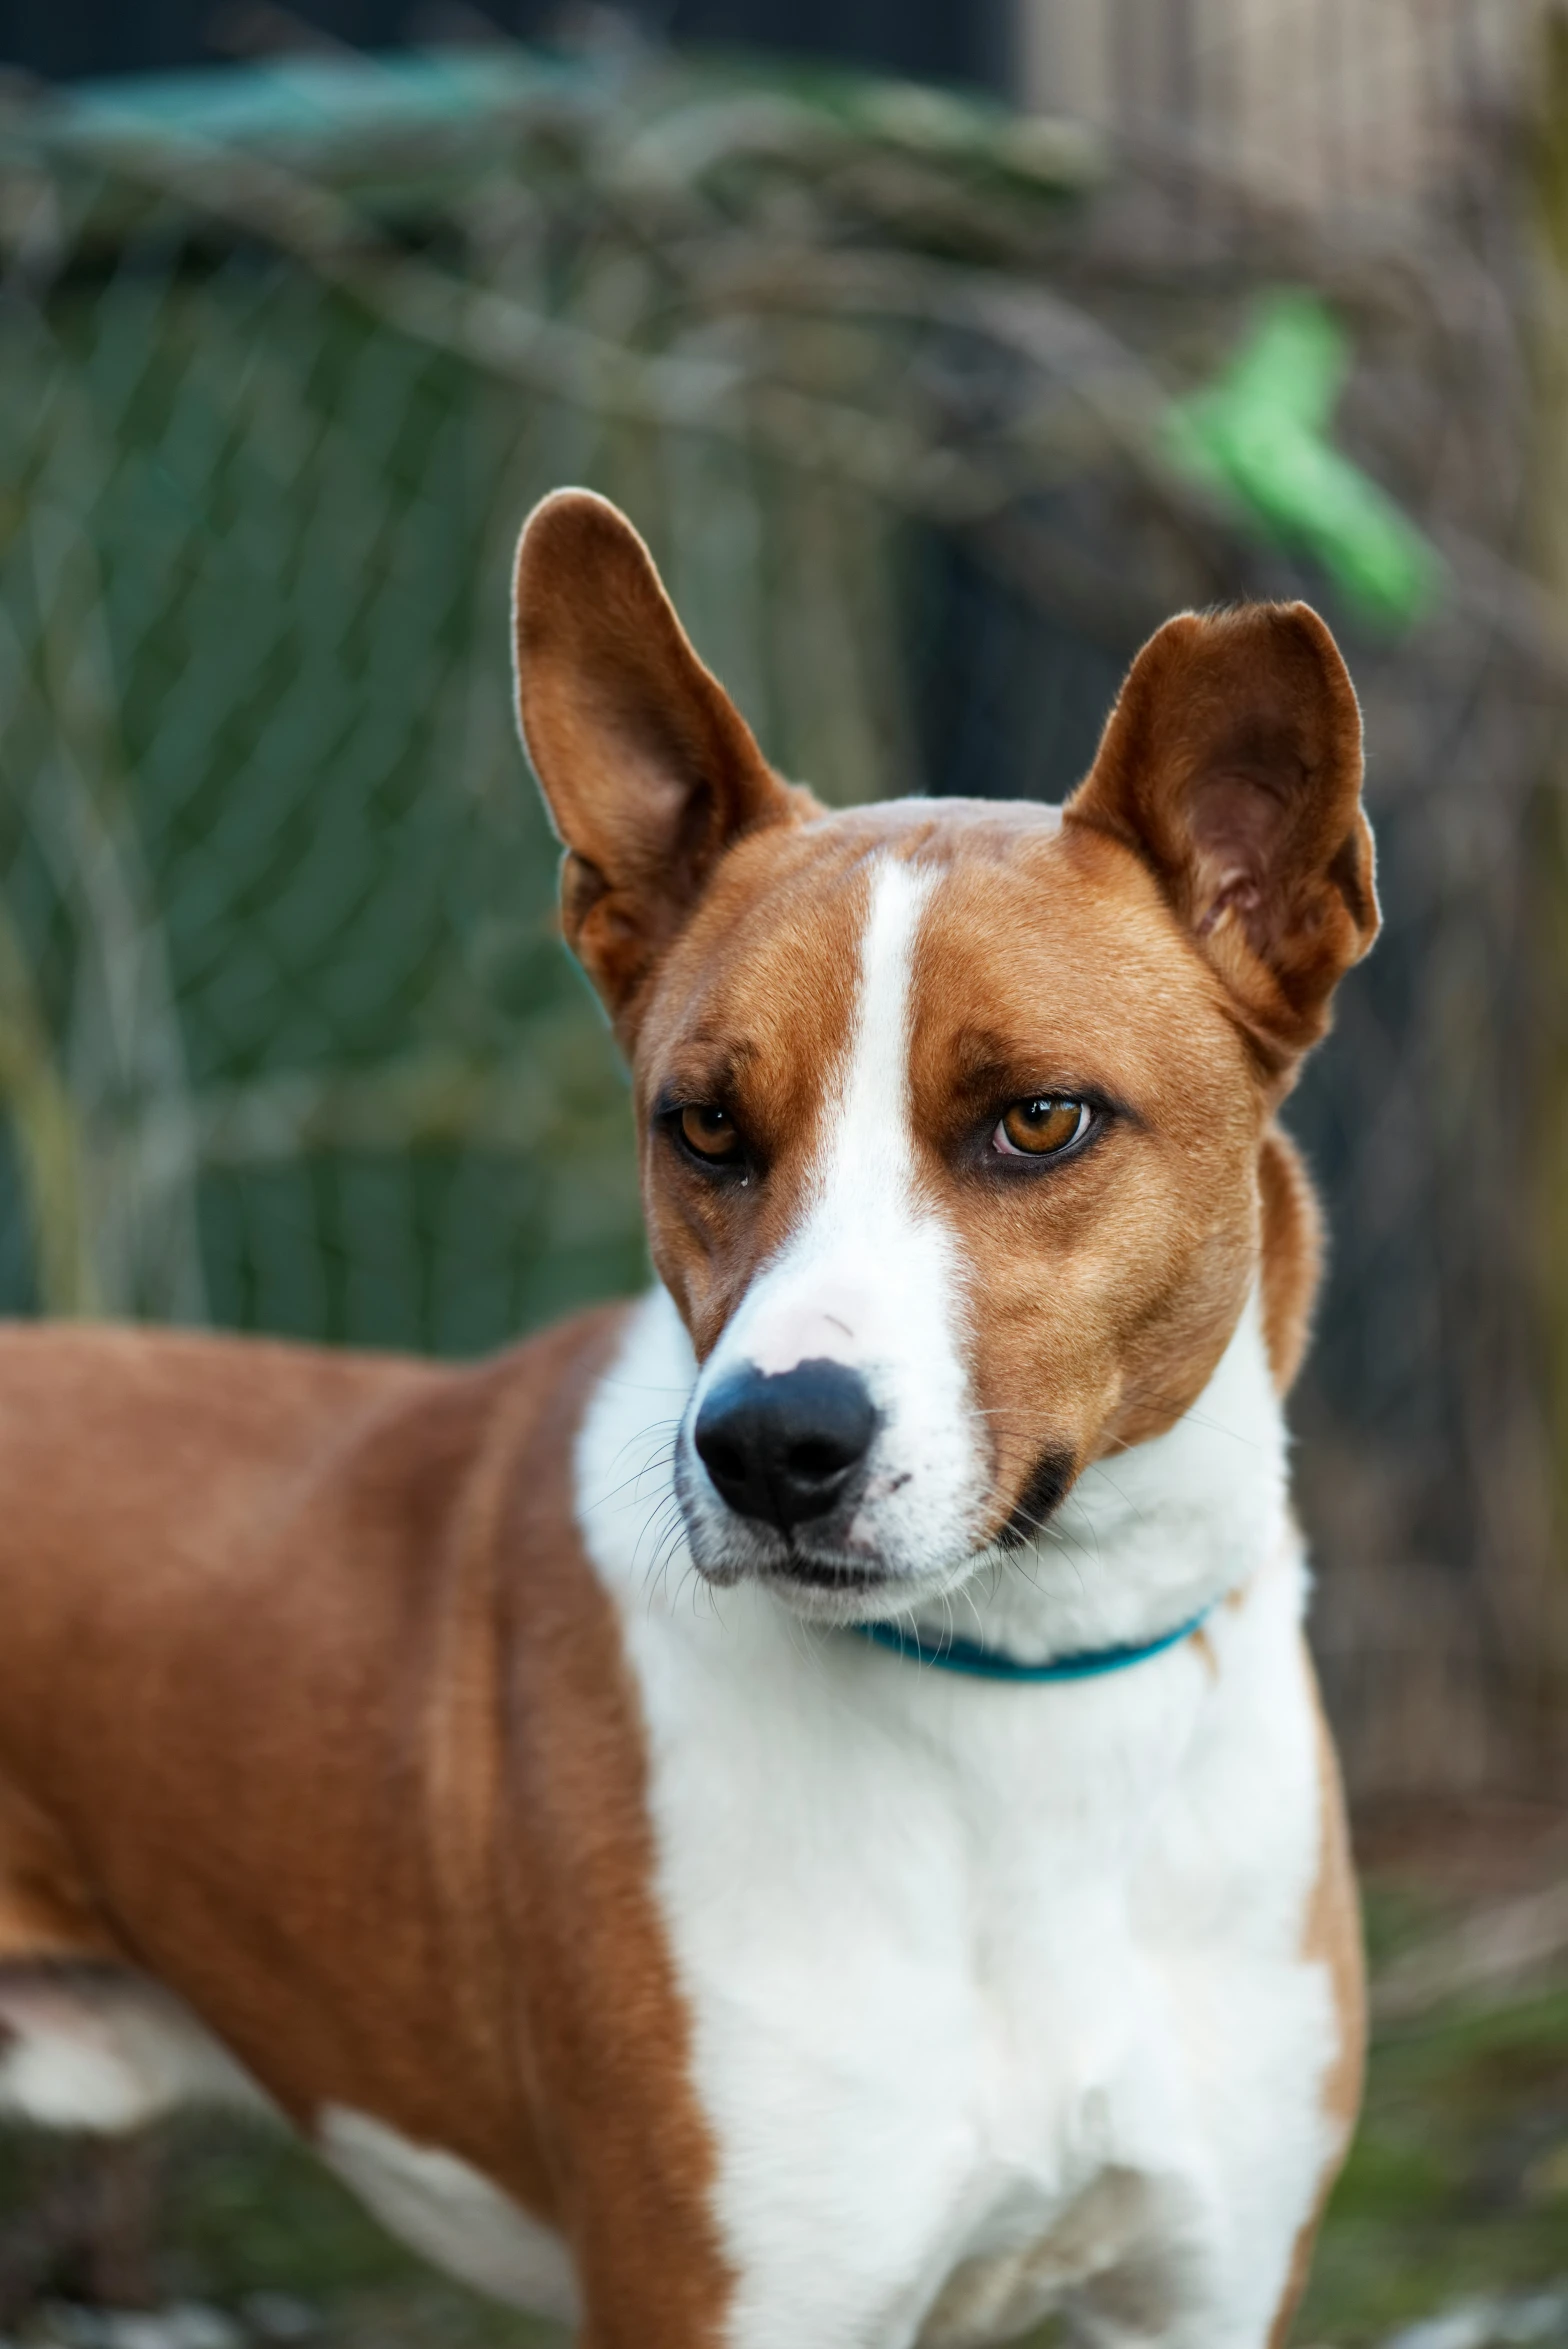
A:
830,1280
871,1276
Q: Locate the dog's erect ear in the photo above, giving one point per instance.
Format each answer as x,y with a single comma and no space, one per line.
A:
649,770
1231,765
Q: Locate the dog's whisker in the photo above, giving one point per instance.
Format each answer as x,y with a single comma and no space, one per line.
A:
656,1465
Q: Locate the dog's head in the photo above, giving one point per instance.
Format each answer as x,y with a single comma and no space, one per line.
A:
955,1118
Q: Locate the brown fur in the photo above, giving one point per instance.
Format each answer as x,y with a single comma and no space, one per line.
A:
648,767
47,1913
1291,1254
1231,765
275,1708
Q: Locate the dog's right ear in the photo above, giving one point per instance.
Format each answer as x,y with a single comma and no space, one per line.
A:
649,771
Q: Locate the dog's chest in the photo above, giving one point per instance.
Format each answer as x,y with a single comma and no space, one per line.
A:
996,1992
936,2011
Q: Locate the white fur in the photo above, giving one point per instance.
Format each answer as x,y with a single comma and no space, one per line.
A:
870,1279
106,2052
997,1992
446,2210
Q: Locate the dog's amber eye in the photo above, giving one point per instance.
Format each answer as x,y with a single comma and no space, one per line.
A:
710,1131
1041,1128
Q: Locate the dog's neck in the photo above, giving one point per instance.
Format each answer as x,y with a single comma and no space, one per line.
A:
1146,1539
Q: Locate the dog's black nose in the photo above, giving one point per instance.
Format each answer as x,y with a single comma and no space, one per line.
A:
784,1448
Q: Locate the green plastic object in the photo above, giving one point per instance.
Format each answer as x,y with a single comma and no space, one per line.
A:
1259,436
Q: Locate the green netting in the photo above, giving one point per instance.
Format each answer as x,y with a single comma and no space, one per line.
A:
287,1040
302,1050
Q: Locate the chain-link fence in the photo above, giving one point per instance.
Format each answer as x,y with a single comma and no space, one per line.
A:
286,1040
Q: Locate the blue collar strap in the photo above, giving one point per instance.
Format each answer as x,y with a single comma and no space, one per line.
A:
967,1655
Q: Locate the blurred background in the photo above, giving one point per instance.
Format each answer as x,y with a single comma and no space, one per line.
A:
940,350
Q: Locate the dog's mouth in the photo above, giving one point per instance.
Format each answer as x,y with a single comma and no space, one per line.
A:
819,1573
832,1592
821,1582
787,1565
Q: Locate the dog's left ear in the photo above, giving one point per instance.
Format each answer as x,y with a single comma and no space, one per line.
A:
1231,765
649,770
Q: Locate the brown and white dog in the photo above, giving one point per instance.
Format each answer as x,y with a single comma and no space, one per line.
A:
479,1765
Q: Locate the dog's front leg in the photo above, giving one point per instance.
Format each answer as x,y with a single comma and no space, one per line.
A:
668,2296
640,2220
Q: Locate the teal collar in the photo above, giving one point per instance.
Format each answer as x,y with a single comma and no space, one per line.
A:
967,1655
